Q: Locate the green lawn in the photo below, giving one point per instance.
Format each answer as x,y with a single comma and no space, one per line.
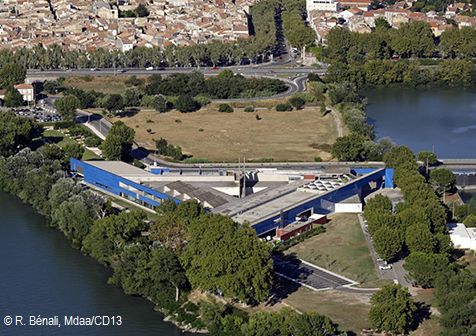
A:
341,249
56,137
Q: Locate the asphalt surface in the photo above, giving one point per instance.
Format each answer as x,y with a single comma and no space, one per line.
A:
307,275
397,273
260,70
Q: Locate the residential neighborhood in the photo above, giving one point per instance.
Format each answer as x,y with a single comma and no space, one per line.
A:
91,25
358,16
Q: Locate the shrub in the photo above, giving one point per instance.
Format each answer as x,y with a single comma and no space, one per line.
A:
186,103
92,141
226,108
297,102
249,109
203,100
283,107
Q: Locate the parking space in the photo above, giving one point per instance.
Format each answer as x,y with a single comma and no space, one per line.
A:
38,114
308,275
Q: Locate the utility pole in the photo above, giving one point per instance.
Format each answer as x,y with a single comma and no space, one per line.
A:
244,177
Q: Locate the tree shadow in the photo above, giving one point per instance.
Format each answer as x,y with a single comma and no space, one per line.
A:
288,270
129,112
422,313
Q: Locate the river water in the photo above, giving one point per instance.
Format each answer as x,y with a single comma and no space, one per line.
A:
40,274
443,120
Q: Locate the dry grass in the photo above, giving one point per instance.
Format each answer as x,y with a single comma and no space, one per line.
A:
341,249
349,310
104,84
283,136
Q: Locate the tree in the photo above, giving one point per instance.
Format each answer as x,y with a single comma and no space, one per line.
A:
387,242
160,104
419,238
67,106
284,107
164,266
16,133
222,255
13,98
297,102
141,11
114,103
118,143
399,156
73,150
11,74
425,268
428,158
443,179
186,103
225,108
72,217
381,24
393,310
349,148
454,294
470,221
108,236
132,97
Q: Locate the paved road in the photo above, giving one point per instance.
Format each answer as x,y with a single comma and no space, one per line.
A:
397,272
308,275
207,71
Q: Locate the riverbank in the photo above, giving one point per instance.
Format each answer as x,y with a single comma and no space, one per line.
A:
47,277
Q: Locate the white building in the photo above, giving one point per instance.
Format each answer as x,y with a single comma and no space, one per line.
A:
322,5
461,236
27,91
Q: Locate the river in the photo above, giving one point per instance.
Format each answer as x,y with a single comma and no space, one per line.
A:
42,275
443,120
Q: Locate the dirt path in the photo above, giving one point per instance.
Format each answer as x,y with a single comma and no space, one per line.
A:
338,121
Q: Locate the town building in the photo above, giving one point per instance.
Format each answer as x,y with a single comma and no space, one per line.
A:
462,237
27,91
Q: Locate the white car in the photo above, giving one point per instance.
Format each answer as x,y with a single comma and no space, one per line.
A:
149,68
386,267
379,259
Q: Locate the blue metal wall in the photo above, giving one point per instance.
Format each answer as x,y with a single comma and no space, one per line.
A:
325,203
110,183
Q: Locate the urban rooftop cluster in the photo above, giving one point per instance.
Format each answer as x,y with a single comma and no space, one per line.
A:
358,16
90,25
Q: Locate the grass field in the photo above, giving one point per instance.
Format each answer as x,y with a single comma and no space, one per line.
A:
208,134
349,310
341,249
104,84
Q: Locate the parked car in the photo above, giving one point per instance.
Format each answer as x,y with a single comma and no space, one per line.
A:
149,68
385,267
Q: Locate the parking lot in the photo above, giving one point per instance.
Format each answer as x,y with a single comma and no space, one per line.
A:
37,113
308,275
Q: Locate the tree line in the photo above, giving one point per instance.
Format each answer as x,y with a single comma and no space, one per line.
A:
416,230
185,92
365,59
